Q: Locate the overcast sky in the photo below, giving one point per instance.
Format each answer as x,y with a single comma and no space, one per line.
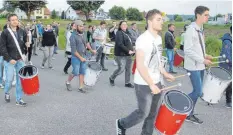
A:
167,6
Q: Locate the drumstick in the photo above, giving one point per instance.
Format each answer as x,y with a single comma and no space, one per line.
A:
188,74
223,56
226,61
177,85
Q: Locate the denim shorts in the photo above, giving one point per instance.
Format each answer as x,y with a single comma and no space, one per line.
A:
79,68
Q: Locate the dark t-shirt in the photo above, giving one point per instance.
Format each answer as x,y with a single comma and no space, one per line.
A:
112,35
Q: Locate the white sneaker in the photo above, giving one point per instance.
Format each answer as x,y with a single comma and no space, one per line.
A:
53,58
13,83
114,62
42,66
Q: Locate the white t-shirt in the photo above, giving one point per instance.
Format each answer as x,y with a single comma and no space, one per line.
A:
152,48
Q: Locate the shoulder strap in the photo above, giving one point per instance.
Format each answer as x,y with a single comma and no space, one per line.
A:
202,47
16,43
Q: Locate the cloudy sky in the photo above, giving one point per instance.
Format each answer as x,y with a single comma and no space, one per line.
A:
167,6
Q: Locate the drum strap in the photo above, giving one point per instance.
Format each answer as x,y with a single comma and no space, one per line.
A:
17,44
202,46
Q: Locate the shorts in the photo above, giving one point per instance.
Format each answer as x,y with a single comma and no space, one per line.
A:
79,68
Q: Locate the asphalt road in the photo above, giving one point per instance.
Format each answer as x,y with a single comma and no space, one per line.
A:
56,111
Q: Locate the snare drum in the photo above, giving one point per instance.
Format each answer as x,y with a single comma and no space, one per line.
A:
179,57
215,82
107,48
175,107
92,73
29,79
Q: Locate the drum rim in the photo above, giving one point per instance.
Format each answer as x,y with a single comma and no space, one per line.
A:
179,54
209,71
30,77
95,63
187,111
109,45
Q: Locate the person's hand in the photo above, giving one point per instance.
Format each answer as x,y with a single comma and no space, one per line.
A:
154,89
131,52
13,62
27,44
207,62
208,57
83,59
169,77
94,52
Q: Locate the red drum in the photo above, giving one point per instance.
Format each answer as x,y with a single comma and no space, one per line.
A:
29,79
179,57
176,106
134,67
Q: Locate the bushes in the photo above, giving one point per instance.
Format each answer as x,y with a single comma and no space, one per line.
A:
213,45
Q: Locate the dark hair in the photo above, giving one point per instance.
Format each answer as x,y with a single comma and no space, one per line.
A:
119,28
185,27
11,15
71,25
151,13
133,24
200,10
90,26
170,24
102,22
231,29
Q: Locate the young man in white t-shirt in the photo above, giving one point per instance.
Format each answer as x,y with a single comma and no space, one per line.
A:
147,77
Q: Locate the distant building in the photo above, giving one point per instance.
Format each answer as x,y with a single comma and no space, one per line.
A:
72,14
42,13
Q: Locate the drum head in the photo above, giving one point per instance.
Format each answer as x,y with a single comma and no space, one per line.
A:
178,102
94,66
28,71
180,53
220,73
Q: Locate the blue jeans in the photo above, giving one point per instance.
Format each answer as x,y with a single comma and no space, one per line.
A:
196,78
1,69
9,78
79,68
170,56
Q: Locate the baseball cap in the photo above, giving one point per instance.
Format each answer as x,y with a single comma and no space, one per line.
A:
78,23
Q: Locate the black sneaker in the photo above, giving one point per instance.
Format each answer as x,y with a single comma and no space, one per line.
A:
65,72
7,98
68,86
81,90
111,81
104,69
119,129
129,85
51,68
194,119
21,103
228,105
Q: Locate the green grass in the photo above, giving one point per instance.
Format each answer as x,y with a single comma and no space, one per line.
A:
212,32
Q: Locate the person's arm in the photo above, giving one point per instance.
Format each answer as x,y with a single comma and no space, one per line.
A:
189,46
112,29
3,43
120,41
227,47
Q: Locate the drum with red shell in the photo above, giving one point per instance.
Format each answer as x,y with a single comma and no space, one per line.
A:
29,79
175,107
178,58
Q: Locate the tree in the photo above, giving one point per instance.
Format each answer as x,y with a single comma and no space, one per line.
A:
179,19
133,14
27,6
117,13
54,14
175,16
63,15
8,7
191,19
85,6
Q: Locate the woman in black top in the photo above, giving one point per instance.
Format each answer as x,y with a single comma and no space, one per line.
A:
123,52
48,43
